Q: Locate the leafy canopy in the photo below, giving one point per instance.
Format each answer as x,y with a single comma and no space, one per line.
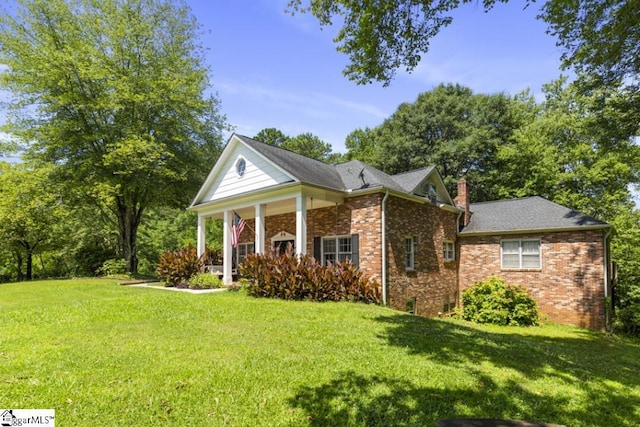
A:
114,93
382,36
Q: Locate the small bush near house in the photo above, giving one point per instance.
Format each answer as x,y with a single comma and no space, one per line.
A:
205,281
288,277
113,267
493,301
177,267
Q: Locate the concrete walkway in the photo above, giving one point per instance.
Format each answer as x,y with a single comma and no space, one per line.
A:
154,285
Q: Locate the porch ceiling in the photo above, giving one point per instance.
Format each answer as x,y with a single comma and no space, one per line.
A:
277,207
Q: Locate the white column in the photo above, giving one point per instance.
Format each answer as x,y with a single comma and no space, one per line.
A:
201,234
260,212
227,252
301,224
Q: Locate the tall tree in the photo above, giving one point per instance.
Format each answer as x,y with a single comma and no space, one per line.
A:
30,207
449,127
382,36
272,136
310,145
577,150
306,144
113,92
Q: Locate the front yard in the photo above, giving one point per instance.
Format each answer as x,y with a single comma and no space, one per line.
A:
103,354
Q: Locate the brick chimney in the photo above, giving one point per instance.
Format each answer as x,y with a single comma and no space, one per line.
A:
462,200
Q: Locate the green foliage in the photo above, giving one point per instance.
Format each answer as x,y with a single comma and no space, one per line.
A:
171,228
493,301
290,277
306,144
177,267
114,94
382,36
449,127
575,149
625,250
113,267
205,281
30,211
272,136
601,37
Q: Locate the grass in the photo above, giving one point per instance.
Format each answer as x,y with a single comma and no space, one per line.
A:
103,354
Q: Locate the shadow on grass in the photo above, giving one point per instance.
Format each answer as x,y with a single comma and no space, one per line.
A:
590,356
353,399
602,372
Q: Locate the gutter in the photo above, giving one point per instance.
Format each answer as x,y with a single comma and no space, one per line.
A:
384,248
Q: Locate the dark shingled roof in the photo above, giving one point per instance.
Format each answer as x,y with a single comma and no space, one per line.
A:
352,175
526,214
410,180
357,175
303,168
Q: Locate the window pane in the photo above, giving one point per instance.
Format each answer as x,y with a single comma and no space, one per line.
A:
511,246
330,258
511,260
530,246
251,248
409,260
329,245
449,253
345,244
531,261
408,250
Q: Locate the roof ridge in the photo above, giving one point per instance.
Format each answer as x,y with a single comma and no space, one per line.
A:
284,149
414,170
514,199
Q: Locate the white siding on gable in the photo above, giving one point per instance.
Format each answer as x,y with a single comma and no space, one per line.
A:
259,173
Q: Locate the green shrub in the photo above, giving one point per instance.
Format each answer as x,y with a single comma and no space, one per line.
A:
113,267
291,277
205,281
177,267
493,301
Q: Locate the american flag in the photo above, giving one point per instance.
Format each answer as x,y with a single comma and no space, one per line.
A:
236,230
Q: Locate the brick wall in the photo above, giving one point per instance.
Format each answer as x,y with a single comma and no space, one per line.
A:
569,288
358,215
433,282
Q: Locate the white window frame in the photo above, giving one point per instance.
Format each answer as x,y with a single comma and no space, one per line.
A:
247,248
449,250
409,253
339,255
521,254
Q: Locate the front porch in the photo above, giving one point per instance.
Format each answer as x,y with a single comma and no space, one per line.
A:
294,203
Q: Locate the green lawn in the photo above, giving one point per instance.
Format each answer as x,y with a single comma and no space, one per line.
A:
102,354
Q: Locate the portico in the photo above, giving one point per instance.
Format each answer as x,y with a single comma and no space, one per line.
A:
249,184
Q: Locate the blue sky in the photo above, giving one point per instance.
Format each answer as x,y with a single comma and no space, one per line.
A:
271,69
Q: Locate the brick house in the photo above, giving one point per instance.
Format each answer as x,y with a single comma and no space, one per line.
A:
406,232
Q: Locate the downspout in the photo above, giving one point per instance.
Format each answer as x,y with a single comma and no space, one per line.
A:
384,248
607,298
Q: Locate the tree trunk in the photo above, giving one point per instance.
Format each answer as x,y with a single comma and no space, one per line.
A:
29,274
128,222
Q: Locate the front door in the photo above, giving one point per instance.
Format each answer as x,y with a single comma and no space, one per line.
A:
280,246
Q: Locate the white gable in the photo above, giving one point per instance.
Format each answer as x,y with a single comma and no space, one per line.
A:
226,180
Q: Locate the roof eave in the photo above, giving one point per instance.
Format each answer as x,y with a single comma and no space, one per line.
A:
535,231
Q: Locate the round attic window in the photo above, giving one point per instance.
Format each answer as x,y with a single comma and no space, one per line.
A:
241,165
